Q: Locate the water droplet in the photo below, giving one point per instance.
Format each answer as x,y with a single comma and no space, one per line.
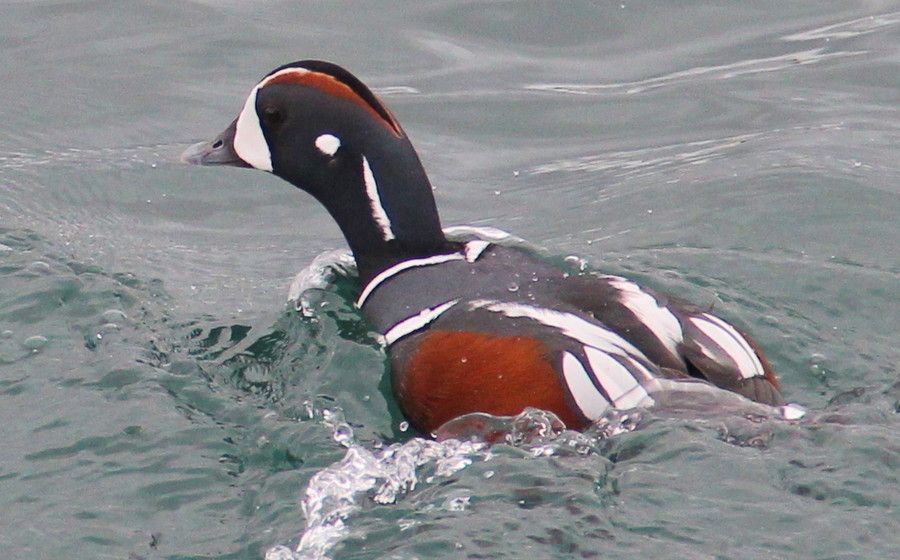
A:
792,411
456,504
512,287
113,315
343,434
464,359
35,343
515,173
38,267
404,426
488,474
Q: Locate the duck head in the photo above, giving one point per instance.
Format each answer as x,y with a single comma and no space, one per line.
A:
318,127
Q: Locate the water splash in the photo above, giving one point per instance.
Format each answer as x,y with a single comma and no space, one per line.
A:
318,275
380,476
384,475
321,272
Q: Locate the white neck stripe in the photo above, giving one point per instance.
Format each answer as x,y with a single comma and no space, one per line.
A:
378,212
401,266
471,252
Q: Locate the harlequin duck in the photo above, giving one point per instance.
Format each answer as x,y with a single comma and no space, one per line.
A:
460,339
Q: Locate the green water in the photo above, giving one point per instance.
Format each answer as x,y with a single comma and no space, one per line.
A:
160,400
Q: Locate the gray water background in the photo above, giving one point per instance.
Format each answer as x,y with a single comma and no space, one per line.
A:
155,387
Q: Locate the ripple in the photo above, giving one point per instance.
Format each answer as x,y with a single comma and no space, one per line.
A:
847,29
91,158
717,72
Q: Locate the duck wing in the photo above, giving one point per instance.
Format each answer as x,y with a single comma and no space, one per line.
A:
676,335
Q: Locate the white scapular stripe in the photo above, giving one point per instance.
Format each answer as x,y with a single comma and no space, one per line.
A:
482,232
570,325
400,267
416,322
378,212
474,249
328,144
731,342
621,386
661,322
249,142
589,400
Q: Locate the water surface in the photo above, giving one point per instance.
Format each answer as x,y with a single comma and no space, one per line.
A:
159,398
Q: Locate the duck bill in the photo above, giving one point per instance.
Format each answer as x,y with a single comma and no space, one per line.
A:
218,151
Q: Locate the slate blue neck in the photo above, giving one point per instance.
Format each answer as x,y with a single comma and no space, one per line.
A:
407,198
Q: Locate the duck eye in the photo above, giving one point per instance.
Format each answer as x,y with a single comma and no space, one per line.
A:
271,116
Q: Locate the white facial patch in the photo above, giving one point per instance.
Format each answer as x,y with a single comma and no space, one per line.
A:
328,144
249,143
378,212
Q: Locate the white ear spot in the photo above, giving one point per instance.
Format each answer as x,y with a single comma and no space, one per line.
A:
249,143
328,144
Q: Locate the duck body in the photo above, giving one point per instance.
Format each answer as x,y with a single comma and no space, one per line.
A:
473,327
490,328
